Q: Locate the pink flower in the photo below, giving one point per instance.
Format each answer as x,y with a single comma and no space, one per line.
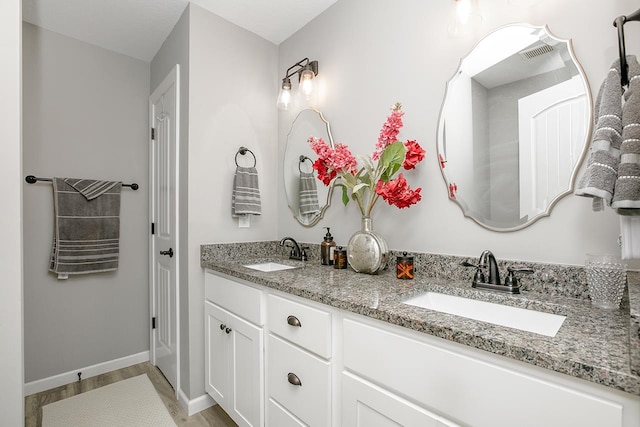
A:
389,131
398,193
321,148
343,161
414,155
358,183
332,161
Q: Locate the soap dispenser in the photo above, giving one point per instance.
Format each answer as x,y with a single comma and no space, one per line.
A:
327,247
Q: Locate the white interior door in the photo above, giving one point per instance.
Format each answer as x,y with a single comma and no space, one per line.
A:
164,107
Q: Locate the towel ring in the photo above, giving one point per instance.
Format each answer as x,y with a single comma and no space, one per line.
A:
303,158
243,151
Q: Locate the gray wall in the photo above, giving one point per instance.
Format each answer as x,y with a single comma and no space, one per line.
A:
231,104
228,94
408,56
85,115
11,368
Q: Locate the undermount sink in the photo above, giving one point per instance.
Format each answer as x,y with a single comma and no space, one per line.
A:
513,317
270,266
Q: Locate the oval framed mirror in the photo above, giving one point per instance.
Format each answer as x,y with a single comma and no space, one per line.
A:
514,127
307,197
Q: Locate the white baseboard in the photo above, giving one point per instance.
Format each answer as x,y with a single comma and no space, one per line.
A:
196,405
87,372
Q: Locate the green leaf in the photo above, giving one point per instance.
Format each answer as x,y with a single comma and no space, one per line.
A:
393,154
367,163
360,186
345,195
390,171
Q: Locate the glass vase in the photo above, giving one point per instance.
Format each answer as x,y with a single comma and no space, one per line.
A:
367,251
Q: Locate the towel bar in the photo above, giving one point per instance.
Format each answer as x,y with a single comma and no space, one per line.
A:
31,179
619,23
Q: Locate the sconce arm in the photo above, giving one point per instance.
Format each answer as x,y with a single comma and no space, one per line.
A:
301,65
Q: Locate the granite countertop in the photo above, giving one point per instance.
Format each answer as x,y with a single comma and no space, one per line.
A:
593,344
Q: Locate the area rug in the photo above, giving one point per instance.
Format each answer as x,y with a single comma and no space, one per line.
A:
130,402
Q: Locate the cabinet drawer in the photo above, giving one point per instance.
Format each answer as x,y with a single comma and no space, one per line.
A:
469,389
279,417
242,300
314,330
309,401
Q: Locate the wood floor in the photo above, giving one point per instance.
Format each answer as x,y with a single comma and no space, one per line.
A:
211,417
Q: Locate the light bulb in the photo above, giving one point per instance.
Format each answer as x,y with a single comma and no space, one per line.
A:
306,83
284,97
466,17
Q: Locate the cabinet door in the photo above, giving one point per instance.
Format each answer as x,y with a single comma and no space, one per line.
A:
217,363
365,405
246,373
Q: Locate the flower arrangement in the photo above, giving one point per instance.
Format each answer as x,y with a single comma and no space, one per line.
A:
377,176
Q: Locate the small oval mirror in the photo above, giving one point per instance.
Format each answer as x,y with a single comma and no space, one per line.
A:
514,127
307,200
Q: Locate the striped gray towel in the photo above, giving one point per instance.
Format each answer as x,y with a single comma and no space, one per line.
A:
626,198
308,194
87,227
600,176
245,196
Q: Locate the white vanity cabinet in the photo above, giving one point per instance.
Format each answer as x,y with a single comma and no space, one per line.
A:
298,364
282,361
418,380
234,361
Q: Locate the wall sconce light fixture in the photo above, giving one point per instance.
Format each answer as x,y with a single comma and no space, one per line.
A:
466,17
306,71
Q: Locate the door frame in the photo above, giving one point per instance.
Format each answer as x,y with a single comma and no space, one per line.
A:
173,77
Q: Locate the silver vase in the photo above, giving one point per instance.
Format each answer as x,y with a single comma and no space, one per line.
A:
367,251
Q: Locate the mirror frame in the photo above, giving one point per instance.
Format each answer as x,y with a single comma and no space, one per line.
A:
323,208
579,161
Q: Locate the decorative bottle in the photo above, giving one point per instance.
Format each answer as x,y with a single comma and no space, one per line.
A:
327,247
367,251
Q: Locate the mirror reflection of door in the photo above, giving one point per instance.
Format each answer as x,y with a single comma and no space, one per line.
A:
552,131
513,127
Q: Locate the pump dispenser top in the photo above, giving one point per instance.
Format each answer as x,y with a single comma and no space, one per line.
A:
327,247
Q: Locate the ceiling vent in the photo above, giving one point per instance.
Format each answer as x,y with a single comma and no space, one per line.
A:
535,51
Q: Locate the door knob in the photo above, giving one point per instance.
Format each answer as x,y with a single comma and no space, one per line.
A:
227,330
169,252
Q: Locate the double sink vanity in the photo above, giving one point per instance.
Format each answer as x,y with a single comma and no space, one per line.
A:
318,346
295,343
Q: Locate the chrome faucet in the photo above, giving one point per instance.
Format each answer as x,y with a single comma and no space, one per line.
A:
296,252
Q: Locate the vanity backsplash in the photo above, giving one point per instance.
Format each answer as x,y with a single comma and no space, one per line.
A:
550,279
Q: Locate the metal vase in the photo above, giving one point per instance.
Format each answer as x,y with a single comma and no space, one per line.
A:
367,251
